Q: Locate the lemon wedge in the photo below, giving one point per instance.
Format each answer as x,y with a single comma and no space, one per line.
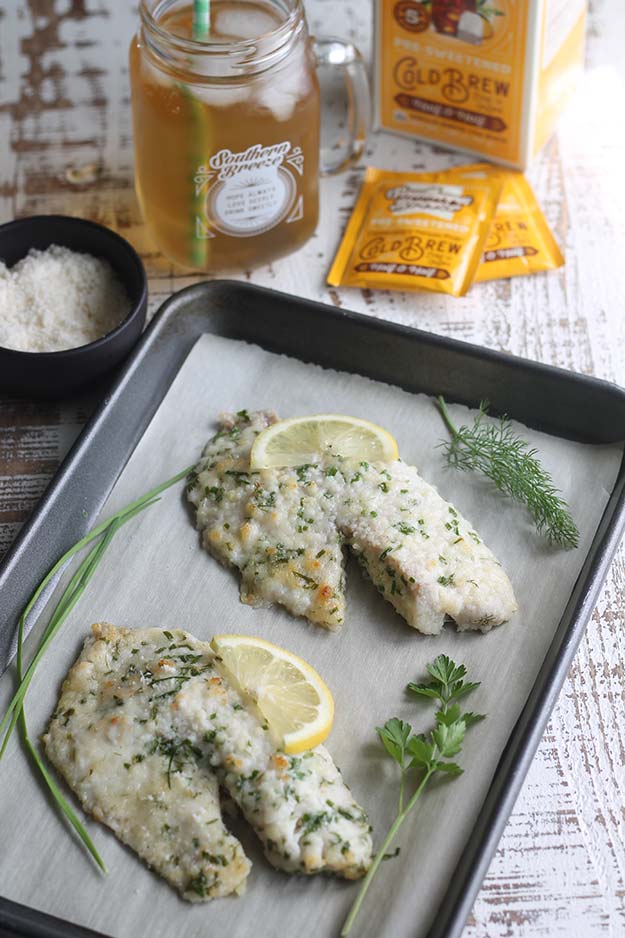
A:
289,694
299,440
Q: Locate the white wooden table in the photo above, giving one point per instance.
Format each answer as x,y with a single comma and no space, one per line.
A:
64,102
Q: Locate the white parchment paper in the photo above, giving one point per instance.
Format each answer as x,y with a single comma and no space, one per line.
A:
156,575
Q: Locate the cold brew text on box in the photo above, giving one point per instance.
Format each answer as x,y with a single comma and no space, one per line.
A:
486,76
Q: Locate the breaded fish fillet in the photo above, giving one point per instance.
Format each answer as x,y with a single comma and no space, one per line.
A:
422,555
300,807
277,528
111,738
145,727
283,528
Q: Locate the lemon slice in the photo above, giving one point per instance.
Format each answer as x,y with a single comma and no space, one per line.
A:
300,440
289,694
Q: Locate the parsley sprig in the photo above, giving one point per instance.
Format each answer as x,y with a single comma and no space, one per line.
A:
422,756
494,449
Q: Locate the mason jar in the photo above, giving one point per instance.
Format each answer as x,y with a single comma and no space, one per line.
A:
227,129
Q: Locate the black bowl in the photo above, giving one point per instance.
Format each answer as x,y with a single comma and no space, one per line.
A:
59,374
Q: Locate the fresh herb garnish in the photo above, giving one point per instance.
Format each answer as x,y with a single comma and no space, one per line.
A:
14,714
422,756
494,449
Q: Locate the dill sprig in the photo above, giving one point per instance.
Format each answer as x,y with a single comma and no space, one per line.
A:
14,714
421,757
493,448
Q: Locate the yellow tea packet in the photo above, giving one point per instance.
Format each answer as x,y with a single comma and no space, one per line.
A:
520,240
417,231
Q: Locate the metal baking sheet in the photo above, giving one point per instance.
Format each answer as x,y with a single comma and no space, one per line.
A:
415,361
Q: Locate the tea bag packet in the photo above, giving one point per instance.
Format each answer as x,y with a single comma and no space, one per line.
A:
417,231
520,240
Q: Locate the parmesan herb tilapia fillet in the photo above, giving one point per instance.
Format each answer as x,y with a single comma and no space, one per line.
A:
284,530
277,527
145,731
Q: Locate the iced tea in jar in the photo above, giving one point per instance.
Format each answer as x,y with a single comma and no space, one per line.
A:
227,128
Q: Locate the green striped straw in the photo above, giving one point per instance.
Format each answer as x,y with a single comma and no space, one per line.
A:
201,18
199,246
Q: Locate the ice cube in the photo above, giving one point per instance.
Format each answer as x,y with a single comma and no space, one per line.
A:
214,96
280,101
242,23
221,97
280,92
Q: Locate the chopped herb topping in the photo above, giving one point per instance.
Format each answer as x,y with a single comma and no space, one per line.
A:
264,499
240,478
313,821
198,885
309,583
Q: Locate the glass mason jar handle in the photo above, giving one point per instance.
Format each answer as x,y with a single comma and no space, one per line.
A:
337,54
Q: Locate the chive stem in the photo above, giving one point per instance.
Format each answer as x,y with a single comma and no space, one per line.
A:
68,600
57,616
122,515
15,712
75,588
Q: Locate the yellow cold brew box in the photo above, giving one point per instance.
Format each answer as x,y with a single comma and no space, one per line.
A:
489,77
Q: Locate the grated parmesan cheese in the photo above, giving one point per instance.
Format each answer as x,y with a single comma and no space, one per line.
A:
59,299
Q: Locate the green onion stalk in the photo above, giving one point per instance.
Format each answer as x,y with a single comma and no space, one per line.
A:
15,714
